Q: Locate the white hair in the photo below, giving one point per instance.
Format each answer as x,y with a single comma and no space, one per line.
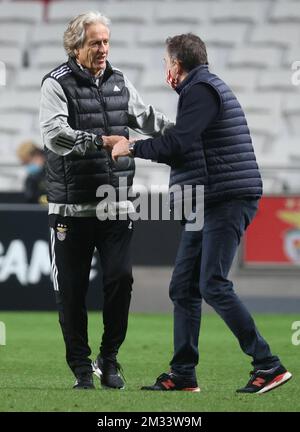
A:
74,36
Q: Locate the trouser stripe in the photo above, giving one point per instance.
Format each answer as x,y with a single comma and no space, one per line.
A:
53,263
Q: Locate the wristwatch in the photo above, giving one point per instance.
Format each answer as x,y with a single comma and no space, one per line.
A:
131,148
98,142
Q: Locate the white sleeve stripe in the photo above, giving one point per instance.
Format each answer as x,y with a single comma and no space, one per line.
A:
64,140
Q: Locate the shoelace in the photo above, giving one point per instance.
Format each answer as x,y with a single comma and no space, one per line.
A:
164,376
253,373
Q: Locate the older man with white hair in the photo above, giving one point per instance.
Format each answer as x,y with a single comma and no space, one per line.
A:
83,99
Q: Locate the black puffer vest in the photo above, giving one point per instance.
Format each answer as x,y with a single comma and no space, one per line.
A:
223,158
103,110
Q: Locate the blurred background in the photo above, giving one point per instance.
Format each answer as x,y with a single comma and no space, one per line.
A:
254,45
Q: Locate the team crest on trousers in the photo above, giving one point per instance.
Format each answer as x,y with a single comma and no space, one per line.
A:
61,232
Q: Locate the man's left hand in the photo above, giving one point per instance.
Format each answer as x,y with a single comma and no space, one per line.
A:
110,141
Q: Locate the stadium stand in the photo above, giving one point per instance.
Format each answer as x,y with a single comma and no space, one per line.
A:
251,45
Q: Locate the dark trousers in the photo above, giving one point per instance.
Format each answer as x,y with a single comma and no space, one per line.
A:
202,265
73,241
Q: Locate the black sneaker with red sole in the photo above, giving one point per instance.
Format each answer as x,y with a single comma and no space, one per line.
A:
262,381
172,382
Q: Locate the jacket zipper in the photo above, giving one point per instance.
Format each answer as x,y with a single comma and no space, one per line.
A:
106,129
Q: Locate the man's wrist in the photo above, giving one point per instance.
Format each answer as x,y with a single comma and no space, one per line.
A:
131,148
98,142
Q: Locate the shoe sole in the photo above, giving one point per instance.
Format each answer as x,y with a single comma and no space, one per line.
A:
84,388
105,387
277,381
191,390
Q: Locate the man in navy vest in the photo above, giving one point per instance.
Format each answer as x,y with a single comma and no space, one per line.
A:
83,99
210,145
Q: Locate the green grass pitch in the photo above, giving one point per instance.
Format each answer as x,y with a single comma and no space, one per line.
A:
35,377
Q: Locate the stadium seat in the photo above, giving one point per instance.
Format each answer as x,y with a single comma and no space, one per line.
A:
228,34
278,80
291,104
254,57
11,56
47,58
259,143
285,11
154,79
274,155
239,80
63,13
290,56
291,113
132,74
21,12
16,102
230,11
156,35
48,34
278,35
218,57
182,13
268,103
15,123
293,149
133,12
268,125
124,34
138,58
14,34
5,140
30,79
163,101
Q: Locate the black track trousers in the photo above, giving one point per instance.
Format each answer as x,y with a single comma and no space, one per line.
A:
72,244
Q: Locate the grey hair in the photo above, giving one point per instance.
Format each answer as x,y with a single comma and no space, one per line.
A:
74,36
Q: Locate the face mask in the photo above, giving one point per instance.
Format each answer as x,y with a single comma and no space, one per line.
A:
170,80
33,168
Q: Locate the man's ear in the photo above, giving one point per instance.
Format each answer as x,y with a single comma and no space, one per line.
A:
179,67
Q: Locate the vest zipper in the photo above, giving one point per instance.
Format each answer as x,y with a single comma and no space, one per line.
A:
106,129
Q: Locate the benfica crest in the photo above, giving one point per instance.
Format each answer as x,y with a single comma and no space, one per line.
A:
61,232
292,236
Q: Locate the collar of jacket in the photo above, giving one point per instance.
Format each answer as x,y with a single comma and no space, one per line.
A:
85,75
190,77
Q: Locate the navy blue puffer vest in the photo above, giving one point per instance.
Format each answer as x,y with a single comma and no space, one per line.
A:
228,164
74,179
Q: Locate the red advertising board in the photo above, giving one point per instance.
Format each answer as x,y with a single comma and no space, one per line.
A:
273,238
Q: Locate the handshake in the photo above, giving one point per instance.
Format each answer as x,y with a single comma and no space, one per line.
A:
119,146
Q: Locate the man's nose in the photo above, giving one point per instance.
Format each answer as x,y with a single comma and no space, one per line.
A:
101,47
